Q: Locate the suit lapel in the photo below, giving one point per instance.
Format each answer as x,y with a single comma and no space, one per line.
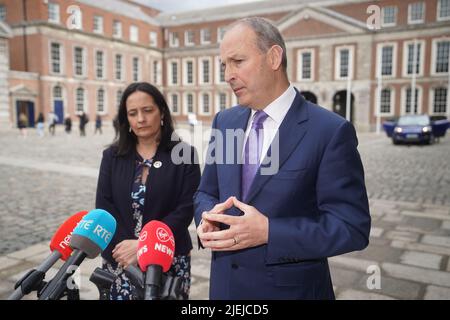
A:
291,132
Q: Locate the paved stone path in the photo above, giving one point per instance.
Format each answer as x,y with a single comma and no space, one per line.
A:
44,180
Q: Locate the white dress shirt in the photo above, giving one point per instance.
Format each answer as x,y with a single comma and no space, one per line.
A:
276,112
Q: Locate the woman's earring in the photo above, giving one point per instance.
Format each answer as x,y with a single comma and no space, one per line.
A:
129,130
162,123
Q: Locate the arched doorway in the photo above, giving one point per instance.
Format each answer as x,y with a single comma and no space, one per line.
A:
308,95
26,107
58,103
340,104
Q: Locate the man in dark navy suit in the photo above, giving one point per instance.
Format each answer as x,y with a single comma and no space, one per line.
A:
271,231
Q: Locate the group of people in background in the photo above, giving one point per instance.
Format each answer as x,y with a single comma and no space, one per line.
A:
53,120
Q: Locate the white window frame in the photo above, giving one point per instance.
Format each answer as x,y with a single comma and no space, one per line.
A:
98,22
170,99
410,11
134,33
202,36
200,70
122,67
55,7
185,102
217,104
117,96
217,69
188,43
103,64
185,71
139,68
431,101
117,26
380,47
337,62
153,39
77,14
83,64
156,72
174,42
3,12
61,58
300,64
438,11
169,72
105,104
434,44
390,24
405,58
377,97
220,33
403,99
85,100
201,112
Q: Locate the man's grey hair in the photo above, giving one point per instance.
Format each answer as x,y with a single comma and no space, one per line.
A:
267,35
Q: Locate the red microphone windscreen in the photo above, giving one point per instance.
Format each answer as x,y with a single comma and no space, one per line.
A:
61,238
156,246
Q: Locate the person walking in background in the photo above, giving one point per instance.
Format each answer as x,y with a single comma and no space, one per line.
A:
40,124
83,121
23,124
68,124
52,121
98,124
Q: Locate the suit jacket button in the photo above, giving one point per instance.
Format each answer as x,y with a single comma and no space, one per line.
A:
234,266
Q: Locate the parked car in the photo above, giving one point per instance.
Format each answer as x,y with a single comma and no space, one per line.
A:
416,128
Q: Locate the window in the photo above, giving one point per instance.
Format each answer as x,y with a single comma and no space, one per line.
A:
118,97
98,24
76,21
220,33
188,72
344,62
174,98
385,103
79,61
442,53
57,93
443,10
190,102
2,13
173,72
117,29
100,101
222,101
173,39
134,33
205,64
408,109
389,16
416,12
189,38
80,99
387,53
306,64
413,58
206,103
219,71
55,55
135,69
440,100
99,64
155,72
153,36
53,12
205,36
118,66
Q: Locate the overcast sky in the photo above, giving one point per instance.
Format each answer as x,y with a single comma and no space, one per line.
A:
178,5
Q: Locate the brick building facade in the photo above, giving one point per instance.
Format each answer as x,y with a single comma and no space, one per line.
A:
72,56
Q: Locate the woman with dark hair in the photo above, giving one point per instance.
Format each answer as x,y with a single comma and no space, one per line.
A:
138,182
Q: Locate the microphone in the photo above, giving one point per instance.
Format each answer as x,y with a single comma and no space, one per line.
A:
59,245
156,247
91,236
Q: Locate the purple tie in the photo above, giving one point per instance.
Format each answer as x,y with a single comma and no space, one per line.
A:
252,152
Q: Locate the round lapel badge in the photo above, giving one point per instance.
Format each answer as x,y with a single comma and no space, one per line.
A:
157,164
